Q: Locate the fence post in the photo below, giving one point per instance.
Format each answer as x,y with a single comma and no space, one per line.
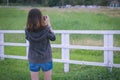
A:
65,50
2,46
27,48
108,54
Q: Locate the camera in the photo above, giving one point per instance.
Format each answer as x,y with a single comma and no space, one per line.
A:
44,20
44,17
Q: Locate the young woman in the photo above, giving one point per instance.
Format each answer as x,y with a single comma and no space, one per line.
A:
39,33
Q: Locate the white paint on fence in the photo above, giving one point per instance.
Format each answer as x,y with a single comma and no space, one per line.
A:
65,50
2,46
27,47
108,47
108,54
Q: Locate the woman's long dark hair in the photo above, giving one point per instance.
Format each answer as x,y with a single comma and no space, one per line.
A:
34,20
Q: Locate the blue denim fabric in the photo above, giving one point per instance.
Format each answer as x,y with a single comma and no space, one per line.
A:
44,66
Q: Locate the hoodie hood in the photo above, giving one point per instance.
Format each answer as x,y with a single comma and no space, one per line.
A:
37,36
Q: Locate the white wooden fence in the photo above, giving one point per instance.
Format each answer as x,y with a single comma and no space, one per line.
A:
65,46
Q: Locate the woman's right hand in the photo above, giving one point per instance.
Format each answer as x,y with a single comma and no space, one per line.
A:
48,21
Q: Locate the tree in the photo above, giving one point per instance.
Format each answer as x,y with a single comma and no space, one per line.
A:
60,2
53,2
6,2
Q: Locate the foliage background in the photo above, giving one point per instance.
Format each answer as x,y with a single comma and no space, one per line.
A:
58,2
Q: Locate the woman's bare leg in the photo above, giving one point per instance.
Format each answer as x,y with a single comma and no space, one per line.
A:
48,75
34,75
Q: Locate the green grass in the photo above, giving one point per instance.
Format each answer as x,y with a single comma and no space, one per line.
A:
65,19
85,21
11,18
13,69
62,19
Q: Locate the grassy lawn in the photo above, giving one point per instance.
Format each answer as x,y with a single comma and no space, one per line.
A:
63,19
12,69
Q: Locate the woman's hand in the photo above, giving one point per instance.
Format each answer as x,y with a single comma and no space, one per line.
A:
48,21
45,21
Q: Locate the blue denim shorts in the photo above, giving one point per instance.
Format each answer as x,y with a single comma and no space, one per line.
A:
44,66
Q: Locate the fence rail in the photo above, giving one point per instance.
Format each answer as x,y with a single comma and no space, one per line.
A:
65,46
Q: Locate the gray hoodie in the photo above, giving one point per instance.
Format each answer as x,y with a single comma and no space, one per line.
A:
39,48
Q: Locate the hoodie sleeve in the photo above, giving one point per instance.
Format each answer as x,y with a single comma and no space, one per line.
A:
26,35
51,35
